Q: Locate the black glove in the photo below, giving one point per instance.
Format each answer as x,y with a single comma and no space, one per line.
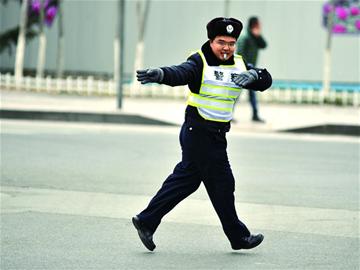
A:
150,75
245,78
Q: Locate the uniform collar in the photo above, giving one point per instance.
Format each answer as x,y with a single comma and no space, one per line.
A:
211,59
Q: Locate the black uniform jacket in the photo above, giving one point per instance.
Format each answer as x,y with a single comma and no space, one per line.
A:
190,73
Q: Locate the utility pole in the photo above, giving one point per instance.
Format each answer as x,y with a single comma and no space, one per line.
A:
119,53
142,12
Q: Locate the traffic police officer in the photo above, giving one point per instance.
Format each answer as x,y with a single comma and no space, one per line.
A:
215,77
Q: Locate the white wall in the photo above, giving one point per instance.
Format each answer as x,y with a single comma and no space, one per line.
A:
293,30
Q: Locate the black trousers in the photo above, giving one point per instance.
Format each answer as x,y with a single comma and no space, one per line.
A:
253,102
204,159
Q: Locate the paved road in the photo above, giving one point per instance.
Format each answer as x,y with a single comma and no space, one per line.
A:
68,192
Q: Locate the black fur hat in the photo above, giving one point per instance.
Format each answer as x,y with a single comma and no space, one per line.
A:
224,27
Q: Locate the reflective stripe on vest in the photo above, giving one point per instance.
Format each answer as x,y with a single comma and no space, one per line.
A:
218,93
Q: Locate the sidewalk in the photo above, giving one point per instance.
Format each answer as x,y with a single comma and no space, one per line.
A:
279,117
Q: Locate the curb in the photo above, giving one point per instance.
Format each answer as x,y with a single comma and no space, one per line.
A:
117,118
328,129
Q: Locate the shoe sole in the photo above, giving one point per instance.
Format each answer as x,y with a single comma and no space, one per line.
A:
258,243
254,246
150,246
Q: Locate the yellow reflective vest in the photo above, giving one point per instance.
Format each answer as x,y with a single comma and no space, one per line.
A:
218,93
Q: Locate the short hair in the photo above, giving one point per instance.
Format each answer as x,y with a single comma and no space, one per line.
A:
253,21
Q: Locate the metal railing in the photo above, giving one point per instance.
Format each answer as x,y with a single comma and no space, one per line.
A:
280,92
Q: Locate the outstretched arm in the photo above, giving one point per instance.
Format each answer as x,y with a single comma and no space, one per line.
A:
150,75
254,79
263,82
173,75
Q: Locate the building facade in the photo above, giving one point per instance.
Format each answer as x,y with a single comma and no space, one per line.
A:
293,30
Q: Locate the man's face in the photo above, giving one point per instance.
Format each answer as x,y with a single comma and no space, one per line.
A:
256,29
223,47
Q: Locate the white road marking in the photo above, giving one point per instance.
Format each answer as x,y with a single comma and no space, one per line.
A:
51,127
332,222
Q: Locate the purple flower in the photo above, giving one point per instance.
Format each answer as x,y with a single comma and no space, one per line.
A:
327,8
339,28
35,6
50,15
354,11
341,13
46,4
357,24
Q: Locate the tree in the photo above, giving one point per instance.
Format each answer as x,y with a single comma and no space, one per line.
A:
141,14
340,17
226,8
20,48
42,42
28,28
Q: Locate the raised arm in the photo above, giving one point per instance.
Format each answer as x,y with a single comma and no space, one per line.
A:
182,74
258,79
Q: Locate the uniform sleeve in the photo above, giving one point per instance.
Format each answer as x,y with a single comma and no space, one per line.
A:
260,42
264,81
189,72
242,45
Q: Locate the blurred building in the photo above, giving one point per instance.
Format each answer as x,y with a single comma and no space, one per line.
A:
293,29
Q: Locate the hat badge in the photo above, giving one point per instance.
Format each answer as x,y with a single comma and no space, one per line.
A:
229,28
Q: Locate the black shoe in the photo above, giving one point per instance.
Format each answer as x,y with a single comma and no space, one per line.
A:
258,119
144,234
249,242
